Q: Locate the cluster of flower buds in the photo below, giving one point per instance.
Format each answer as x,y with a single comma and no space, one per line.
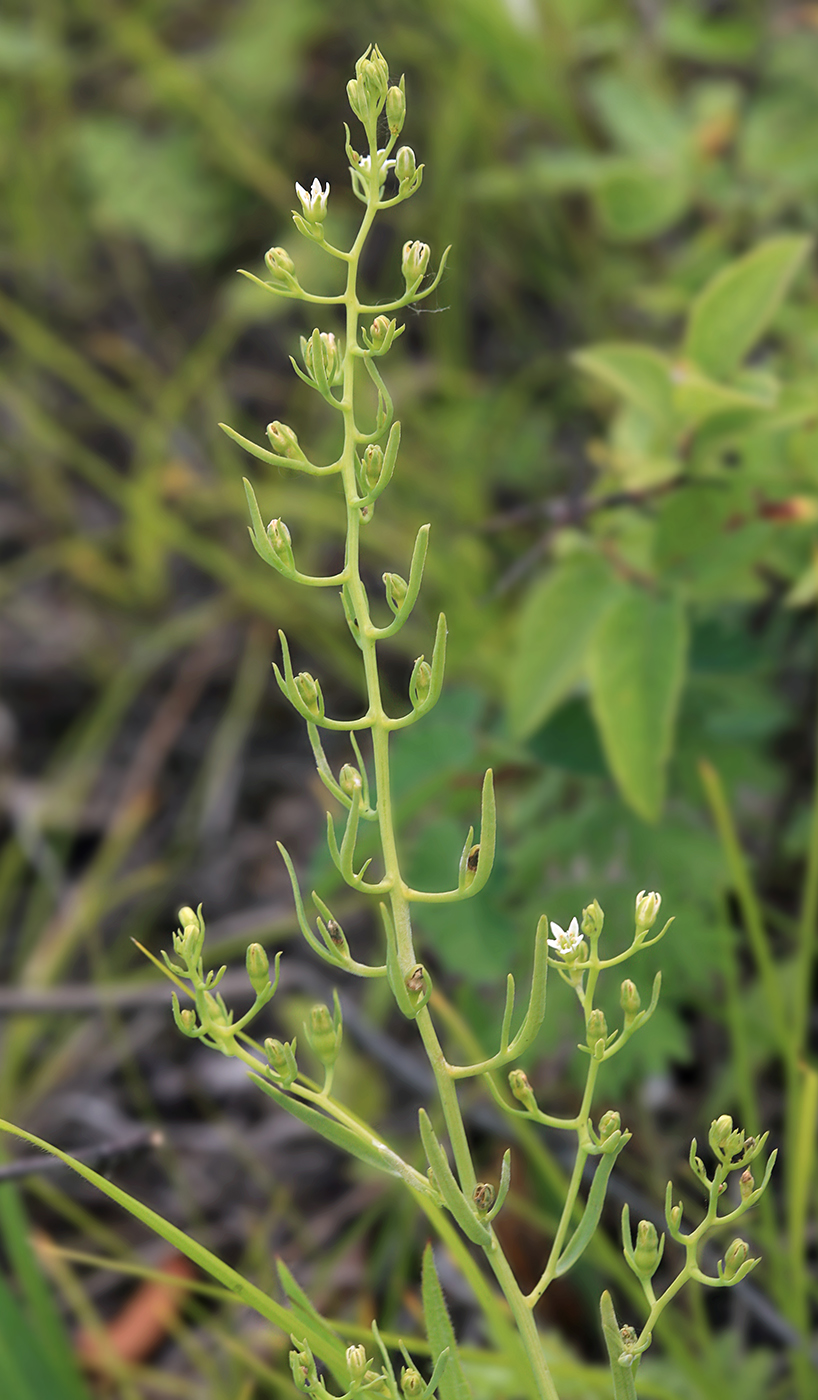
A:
369,91
414,262
188,941
728,1142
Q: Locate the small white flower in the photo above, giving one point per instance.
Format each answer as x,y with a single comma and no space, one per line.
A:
647,907
313,201
565,940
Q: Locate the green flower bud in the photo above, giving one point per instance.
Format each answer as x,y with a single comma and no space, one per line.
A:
414,262
279,537
371,465
376,1383
395,109
356,1362
350,780
647,1254
746,1184
521,1089
411,1381
258,968
720,1130
609,1124
405,165
629,999
380,335
420,682
331,360
735,1256
188,916
281,1059
647,908
309,693
596,1033
396,590
281,267
305,1373
284,441
372,72
324,1035
356,97
189,942
592,920
483,1196
676,1215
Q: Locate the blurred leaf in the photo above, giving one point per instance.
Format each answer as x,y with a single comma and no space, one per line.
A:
641,375
640,201
737,306
554,625
453,1384
636,664
569,740
152,188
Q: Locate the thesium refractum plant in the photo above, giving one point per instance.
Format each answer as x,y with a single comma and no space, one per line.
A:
443,1179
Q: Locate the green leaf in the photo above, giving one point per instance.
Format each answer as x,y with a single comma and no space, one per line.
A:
636,664
698,399
624,1377
586,1229
555,623
638,201
439,1330
737,306
639,374
241,1288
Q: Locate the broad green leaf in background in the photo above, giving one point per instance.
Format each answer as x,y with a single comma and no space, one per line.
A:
641,375
636,666
738,304
553,628
439,1330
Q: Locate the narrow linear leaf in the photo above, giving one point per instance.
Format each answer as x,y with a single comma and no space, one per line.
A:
636,667
636,372
446,1183
738,304
553,629
439,1330
624,1378
240,1287
586,1229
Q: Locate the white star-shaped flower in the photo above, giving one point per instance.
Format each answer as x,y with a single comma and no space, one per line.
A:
314,200
565,940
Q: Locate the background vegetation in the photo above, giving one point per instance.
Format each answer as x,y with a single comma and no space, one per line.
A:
595,164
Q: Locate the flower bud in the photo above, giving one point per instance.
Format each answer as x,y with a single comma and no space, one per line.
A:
332,364
746,1184
281,1059
609,1124
420,682
596,1033
279,537
309,693
405,165
187,1021
356,98
281,267
371,465
735,1256
411,1381
414,262
324,1035
646,1255
521,1089
337,936
720,1130
258,968
647,908
629,999
188,944
676,1216
592,920
304,1370
376,1383
395,109
396,590
284,441
356,1362
350,780
188,916
472,862
483,1196
378,339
